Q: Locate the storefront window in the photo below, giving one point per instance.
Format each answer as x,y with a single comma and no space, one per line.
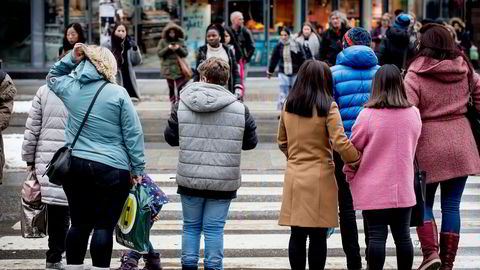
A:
15,48
352,9
318,14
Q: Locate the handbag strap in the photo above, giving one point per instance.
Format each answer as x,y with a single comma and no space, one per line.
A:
87,113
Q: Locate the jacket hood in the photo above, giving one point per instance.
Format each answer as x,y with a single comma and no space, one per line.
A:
173,26
86,72
206,97
399,37
445,70
357,56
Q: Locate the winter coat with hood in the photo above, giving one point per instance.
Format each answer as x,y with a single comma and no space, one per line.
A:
125,73
396,48
170,69
446,148
44,135
211,127
332,44
7,94
352,82
297,57
234,80
113,134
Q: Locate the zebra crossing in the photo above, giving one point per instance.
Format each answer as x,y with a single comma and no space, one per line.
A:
253,239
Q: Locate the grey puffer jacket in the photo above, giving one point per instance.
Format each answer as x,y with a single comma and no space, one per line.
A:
44,135
212,126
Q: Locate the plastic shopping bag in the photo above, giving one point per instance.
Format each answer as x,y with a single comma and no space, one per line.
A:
133,227
31,188
33,221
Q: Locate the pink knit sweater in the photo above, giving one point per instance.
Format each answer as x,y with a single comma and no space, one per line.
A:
388,139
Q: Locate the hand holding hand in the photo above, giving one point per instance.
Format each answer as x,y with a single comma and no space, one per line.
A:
78,52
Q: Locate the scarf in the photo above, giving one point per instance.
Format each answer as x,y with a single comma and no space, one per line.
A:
289,47
312,42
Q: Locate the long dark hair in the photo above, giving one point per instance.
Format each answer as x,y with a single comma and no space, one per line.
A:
388,90
118,44
436,42
81,36
313,89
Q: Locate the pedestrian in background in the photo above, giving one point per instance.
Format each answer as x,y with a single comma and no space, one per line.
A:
438,82
332,40
310,129
44,135
246,45
7,94
289,56
170,48
396,48
208,123
127,54
310,41
352,84
73,34
230,41
108,156
462,34
381,31
215,47
386,132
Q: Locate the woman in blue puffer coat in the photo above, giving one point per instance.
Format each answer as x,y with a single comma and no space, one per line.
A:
352,83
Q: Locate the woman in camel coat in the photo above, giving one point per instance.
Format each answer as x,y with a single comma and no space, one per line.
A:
310,129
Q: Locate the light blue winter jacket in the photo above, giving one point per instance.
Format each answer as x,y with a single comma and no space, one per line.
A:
352,82
113,134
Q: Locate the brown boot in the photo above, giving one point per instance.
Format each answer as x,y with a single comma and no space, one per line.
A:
428,236
448,249
152,262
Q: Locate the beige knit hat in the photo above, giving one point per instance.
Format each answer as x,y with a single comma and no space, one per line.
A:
103,60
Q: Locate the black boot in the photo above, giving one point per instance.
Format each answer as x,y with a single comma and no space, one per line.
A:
152,261
189,267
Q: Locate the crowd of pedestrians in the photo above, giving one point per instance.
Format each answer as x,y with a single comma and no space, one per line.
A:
357,110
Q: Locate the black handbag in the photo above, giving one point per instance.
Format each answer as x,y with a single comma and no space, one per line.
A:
473,116
420,186
58,168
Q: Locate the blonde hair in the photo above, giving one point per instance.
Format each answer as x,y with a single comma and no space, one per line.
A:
103,60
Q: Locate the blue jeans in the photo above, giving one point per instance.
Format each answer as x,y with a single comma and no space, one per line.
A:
286,84
450,196
209,216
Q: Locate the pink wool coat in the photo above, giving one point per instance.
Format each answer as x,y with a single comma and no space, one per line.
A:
446,149
387,139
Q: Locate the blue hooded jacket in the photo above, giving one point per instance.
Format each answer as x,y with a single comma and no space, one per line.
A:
352,82
112,134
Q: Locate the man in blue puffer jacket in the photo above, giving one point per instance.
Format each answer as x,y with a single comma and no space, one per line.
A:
352,83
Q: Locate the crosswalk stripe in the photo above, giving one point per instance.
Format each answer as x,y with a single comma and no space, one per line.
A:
461,262
232,241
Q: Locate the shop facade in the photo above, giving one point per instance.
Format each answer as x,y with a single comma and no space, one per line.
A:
33,29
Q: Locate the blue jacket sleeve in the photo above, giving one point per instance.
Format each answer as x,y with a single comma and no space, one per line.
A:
133,136
58,79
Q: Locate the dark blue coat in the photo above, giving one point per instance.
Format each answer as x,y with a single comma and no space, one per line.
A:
352,82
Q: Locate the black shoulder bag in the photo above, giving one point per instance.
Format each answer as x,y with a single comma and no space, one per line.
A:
473,116
420,187
58,168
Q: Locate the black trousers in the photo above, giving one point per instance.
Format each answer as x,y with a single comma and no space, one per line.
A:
399,221
317,248
348,219
58,223
96,193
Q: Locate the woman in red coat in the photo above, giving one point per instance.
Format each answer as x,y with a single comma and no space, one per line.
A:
437,82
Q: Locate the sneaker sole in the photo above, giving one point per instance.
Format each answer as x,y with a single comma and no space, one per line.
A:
432,265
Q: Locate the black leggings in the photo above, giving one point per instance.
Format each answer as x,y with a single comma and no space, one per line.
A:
378,222
317,248
96,193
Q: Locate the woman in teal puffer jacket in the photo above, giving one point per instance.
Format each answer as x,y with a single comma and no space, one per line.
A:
109,153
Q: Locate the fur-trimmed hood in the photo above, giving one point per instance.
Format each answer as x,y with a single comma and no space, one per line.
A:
173,26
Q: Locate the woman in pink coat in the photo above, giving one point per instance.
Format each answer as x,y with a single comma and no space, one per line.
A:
386,132
437,82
